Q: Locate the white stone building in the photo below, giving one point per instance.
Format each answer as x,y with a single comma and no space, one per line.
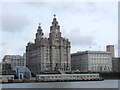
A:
49,54
94,61
110,48
13,61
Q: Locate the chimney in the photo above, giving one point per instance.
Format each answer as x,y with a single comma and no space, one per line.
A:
110,48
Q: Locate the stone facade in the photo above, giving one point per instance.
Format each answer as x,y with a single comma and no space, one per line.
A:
49,54
11,61
94,61
116,64
110,48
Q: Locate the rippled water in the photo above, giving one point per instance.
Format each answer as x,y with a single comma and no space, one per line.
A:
80,84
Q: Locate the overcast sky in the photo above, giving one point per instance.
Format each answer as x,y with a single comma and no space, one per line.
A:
85,24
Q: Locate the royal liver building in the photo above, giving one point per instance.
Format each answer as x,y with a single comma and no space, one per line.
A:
49,54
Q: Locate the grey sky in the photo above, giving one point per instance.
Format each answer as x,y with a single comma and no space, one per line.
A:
14,23
85,24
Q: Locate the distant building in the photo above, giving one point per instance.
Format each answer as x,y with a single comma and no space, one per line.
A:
116,64
67,76
11,61
7,59
7,77
22,72
49,54
110,48
94,61
6,66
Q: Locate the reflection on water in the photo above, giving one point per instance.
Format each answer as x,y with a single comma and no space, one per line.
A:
80,84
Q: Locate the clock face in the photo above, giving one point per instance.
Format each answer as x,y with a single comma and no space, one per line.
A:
57,42
56,30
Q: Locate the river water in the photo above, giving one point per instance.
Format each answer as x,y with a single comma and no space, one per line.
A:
78,84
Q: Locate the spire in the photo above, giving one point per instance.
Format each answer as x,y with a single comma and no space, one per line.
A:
39,30
54,29
54,16
54,19
39,27
39,34
54,23
39,24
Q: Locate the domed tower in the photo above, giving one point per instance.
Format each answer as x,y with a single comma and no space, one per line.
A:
39,34
55,33
59,48
37,53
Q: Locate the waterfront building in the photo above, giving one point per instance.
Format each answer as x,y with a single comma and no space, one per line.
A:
94,61
22,72
110,48
116,64
7,77
5,67
67,76
11,61
49,54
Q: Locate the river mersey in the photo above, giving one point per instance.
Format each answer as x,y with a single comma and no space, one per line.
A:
78,84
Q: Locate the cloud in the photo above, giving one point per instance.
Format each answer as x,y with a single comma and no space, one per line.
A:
75,7
63,7
77,38
35,4
3,43
14,23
